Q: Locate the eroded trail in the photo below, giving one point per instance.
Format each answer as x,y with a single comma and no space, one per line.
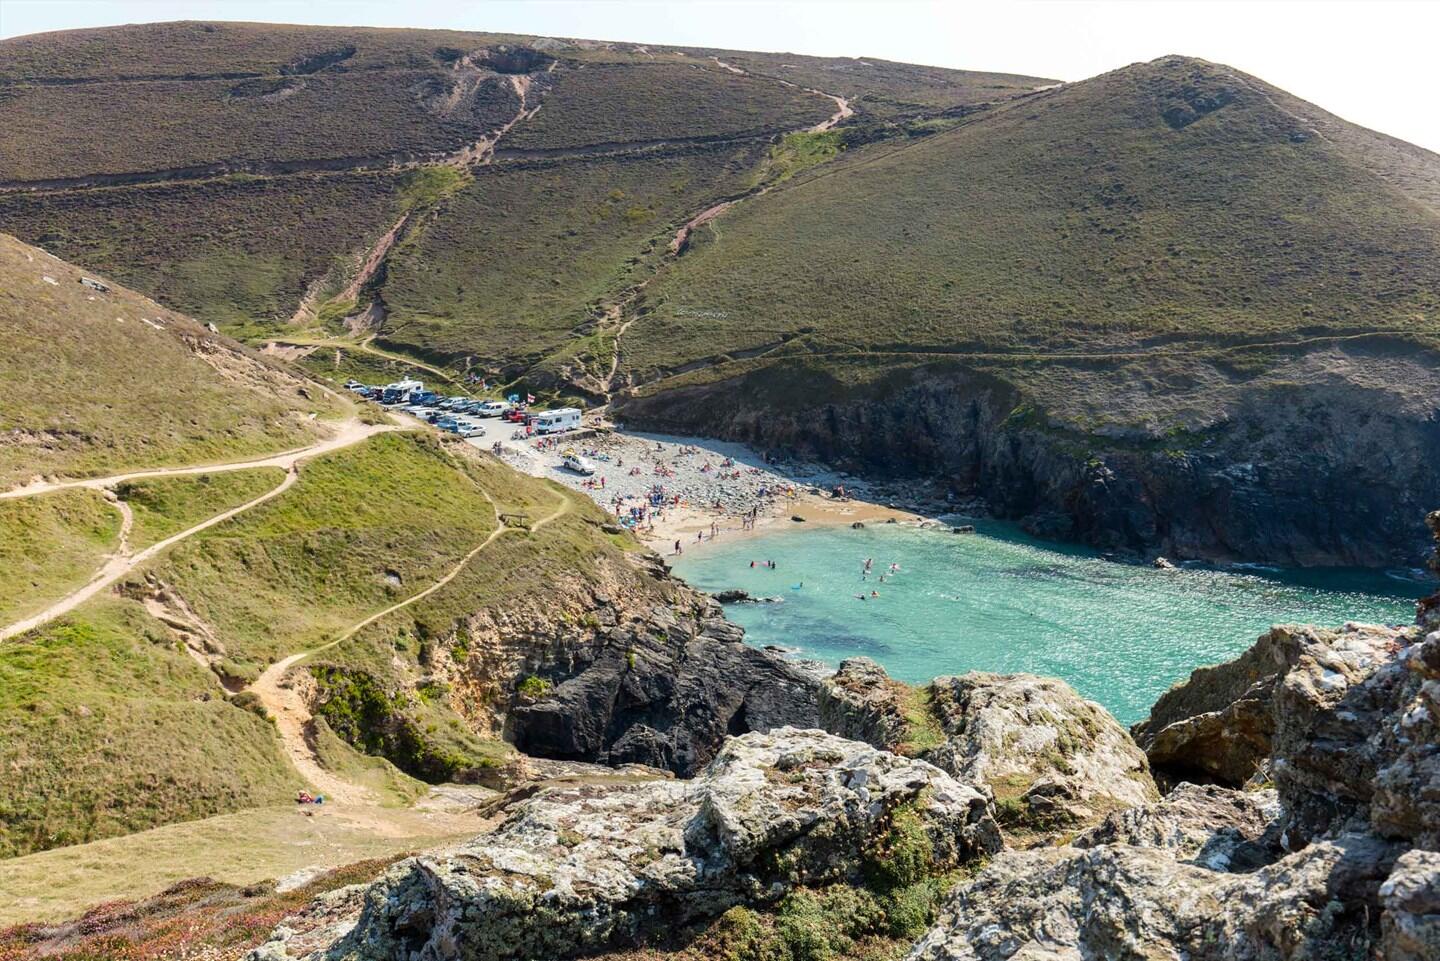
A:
123,562
351,432
287,704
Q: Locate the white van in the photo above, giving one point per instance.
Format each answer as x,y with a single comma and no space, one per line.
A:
555,421
492,408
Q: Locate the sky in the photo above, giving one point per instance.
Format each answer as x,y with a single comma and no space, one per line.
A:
1373,63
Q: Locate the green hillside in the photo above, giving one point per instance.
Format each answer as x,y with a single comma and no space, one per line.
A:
262,192
1169,207
103,381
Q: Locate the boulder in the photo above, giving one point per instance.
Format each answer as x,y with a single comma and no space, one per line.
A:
1220,724
666,693
862,703
584,868
1410,926
1205,825
1125,902
1052,758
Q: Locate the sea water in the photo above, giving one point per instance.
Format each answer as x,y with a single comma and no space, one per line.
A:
999,601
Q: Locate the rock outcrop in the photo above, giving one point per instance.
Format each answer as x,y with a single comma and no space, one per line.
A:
1121,901
580,869
1220,725
665,691
861,702
1208,826
1051,758
1345,723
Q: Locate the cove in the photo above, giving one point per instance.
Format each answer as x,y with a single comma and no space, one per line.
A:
1000,601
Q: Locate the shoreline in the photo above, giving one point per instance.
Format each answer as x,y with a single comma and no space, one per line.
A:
694,491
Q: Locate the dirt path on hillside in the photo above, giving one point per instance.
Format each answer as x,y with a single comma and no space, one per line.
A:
288,707
843,111
122,563
352,431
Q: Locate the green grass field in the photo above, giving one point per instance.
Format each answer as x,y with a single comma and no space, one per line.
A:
106,729
49,545
167,505
362,528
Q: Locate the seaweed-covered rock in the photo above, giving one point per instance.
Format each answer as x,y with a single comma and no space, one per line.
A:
579,869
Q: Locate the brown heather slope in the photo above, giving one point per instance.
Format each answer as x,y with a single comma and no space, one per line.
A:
260,190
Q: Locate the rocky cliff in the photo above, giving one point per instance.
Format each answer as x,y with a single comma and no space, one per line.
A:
1338,861
577,870
1203,462
1329,850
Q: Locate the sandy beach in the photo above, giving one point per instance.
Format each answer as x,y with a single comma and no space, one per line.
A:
690,491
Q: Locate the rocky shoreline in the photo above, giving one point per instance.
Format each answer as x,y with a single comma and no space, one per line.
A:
1299,819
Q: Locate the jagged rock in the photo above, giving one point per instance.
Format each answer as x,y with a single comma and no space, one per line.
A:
862,703
1205,825
1051,757
1220,724
580,869
1406,798
666,695
1123,902
1411,897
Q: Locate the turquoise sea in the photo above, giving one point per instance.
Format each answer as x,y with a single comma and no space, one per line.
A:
1000,601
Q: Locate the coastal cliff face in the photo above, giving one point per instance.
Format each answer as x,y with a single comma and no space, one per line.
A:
626,666
1330,468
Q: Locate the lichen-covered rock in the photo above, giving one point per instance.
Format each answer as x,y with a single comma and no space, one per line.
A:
1221,723
861,702
1406,798
1205,825
1050,757
1411,898
1118,901
582,868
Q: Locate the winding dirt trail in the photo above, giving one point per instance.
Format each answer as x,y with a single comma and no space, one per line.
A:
123,562
287,705
352,431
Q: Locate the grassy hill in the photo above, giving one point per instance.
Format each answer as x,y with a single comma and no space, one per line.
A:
262,187
107,381
1171,205
1172,260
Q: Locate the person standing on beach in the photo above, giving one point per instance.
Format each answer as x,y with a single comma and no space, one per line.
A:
678,548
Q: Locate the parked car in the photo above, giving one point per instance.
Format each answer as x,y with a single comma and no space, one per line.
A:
471,430
493,408
580,465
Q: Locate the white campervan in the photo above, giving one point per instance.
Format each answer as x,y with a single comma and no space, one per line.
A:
555,421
